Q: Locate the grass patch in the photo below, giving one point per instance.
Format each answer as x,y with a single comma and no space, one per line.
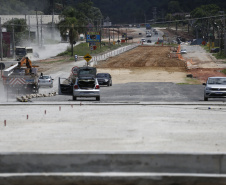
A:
83,48
190,81
223,71
219,55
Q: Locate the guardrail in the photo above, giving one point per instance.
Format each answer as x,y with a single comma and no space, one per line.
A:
113,53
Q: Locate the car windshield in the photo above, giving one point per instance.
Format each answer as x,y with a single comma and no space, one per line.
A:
102,75
217,81
44,77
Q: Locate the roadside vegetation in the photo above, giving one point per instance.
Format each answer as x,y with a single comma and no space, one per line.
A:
219,55
224,71
83,48
190,81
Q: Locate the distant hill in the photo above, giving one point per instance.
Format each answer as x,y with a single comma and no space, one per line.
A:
119,11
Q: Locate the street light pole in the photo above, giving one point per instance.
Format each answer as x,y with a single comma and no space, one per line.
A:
1,39
224,36
37,26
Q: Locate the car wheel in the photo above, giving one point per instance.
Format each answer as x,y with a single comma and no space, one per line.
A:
74,98
205,99
108,83
98,98
111,84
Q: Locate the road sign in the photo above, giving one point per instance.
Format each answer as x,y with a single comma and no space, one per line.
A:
87,57
93,36
74,70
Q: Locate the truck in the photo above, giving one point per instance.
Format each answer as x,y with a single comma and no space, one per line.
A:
21,77
81,83
23,52
148,26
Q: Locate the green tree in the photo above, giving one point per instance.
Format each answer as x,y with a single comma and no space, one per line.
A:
205,10
20,29
68,26
174,6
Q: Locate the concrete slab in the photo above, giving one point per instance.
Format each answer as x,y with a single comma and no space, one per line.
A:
156,128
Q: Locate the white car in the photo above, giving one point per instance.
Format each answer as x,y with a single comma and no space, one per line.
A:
143,40
45,81
215,87
148,35
183,51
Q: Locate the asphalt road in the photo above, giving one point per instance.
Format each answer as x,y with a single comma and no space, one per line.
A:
142,92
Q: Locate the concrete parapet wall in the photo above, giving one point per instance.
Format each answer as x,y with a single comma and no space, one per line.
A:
113,162
110,179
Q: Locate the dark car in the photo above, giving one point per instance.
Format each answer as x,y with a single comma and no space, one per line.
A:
215,50
104,79
148,41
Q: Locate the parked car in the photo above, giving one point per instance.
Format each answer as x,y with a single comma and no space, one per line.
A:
215,50
45,81
215,87
156,33
148,41
129,38
183,51
104,79
86,84
143,40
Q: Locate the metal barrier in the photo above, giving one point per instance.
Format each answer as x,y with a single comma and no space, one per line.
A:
113,53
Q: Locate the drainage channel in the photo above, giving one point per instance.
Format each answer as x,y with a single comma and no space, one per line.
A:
112,168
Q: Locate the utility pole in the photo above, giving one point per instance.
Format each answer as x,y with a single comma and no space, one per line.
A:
118,35
224,36
113,35
1,39
13,41
37,26
52,33
29,31
41,33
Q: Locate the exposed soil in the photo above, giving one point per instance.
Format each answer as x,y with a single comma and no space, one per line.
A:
202,74
146,64
144,56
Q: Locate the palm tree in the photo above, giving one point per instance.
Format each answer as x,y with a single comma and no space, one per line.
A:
69,25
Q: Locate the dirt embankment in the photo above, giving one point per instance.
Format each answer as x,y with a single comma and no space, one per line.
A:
145,64
144,56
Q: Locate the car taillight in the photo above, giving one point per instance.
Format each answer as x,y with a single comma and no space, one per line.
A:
75,86
49,80
97,87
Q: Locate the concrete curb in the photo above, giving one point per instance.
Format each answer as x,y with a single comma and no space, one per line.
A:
111,179
112,168
80,103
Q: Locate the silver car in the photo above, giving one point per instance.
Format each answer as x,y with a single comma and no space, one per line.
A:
215,87
86,84
45,81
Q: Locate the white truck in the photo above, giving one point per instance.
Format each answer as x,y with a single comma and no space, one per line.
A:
19,79
24,52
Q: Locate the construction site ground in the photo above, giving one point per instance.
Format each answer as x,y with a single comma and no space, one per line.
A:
154,64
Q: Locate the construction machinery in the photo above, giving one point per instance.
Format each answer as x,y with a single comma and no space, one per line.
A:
21,77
